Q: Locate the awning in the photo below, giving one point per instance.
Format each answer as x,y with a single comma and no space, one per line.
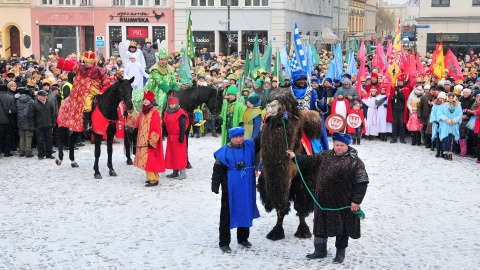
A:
328,36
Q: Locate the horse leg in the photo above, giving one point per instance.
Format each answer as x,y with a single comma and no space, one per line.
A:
277,232
303,231
71,148
98,151
110,135
62,136
127,145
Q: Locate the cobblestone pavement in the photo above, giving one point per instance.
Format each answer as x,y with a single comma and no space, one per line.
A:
420,214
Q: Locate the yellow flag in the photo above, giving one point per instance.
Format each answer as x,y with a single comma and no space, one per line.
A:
394,69
439,67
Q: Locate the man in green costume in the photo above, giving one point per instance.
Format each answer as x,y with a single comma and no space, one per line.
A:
232,113
162,79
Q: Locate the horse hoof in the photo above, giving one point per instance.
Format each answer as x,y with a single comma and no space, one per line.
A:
97,176
276,233
129,162
58,162
112,173
75,164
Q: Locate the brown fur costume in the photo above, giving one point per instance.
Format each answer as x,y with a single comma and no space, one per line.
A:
279,183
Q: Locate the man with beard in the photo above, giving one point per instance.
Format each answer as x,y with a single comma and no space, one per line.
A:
308,100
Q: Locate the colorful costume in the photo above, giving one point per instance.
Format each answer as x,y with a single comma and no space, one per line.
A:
175,122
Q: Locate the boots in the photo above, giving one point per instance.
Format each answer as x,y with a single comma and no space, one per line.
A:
463,147
340,256
182,175
358,140
354,141
214,134
87,121
419,138
174,174
414,138
320,251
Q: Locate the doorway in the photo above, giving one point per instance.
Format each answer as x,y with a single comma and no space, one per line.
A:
14,41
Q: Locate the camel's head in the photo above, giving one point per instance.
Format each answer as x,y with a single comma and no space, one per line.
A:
281,100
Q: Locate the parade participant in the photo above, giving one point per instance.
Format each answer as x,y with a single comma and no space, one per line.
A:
175,125
252,117
356,133
413,124
475,110
372,114
466,101
135,69
231,114
8,109
161,80
245,95
89,79
149,148
25,130
308,100
435,125
384,127
424,109
341,181
234,172
330,93
397,106
149,54
449,117
340,105
197,120
350,92
42,118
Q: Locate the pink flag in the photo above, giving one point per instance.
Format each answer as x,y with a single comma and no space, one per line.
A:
452,65
420,71
361,71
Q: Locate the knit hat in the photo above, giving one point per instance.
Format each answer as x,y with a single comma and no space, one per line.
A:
354,103
346,81
10,84
467,90
340,92
427,87
53,88
348,76
341,137
172,101
236,132
149,95
232,90
442,95
254,99
328,80
42,93
418,90
315,81
297,75
257,82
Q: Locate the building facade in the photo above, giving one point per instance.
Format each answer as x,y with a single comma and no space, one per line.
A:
341,13
69,26
15,28
455,22
371,8
270,20
398,12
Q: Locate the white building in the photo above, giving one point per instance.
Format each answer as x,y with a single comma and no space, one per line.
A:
271,20
341,11
456,22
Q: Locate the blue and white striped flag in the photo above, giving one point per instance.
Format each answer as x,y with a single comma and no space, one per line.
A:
295,65
299,47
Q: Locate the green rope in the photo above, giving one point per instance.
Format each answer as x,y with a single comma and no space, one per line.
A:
359,213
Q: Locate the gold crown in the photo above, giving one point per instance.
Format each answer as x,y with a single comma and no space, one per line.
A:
31,83
133,43
148,40
89,57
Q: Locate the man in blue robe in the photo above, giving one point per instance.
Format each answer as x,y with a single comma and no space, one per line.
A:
309,100
234,171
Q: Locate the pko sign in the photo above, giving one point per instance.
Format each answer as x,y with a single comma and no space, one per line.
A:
99,41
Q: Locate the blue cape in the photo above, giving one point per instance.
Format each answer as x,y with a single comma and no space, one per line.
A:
241,183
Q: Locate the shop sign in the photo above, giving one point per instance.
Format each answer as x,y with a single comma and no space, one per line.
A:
449,38
202,40
137,32
134,17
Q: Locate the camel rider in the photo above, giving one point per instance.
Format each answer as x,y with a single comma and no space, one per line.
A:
161,81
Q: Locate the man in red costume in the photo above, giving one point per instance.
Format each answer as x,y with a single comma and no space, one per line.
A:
175,123
89,80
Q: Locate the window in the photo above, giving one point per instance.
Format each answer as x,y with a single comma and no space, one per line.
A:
202,3
115,37
158,33
162,3
46,2
139,3
232,3
256,3
440,3
476,2
67,2
119,2
86,3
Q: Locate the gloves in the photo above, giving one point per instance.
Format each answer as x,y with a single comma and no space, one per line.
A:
215,187
180,139
385,98
385,106
125,113
321,102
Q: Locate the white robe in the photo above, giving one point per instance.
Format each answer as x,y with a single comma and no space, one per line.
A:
372,122
135,69
383,125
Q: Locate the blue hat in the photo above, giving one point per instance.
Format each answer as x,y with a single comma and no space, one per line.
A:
315,81
346,75
236,132
297,75
340,92
342,137
478,79
328,80
254,99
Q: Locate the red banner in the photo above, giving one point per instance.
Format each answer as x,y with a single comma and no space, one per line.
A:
137,32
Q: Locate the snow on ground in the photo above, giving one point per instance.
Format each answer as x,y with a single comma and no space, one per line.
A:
421,213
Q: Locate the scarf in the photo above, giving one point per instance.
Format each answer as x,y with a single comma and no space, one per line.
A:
176,108
146,109
164,70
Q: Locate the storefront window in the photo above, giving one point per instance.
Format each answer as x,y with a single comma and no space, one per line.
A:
63,38
158,33
204,39
248,40
224,42
139,34
115,37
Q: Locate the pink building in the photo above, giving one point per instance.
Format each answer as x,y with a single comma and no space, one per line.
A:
81,27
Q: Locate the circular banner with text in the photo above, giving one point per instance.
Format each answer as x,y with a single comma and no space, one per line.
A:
335,122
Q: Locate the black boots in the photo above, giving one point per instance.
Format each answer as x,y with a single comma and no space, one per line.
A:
173,174
358,141
320,251
354,141
340,256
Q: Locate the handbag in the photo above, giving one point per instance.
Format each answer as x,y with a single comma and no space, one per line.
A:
471,123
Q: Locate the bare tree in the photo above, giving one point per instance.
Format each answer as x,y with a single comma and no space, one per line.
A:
384,21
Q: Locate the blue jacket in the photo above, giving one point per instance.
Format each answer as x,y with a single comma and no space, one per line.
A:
453,112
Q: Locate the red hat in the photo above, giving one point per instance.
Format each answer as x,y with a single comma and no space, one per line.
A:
172,101
374,75
402,77
149,95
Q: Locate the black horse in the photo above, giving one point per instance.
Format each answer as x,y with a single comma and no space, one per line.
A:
107,104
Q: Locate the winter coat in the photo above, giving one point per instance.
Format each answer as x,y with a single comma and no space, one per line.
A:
7,107
340,180
41,115
349,92
453,112
424,108
23,108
